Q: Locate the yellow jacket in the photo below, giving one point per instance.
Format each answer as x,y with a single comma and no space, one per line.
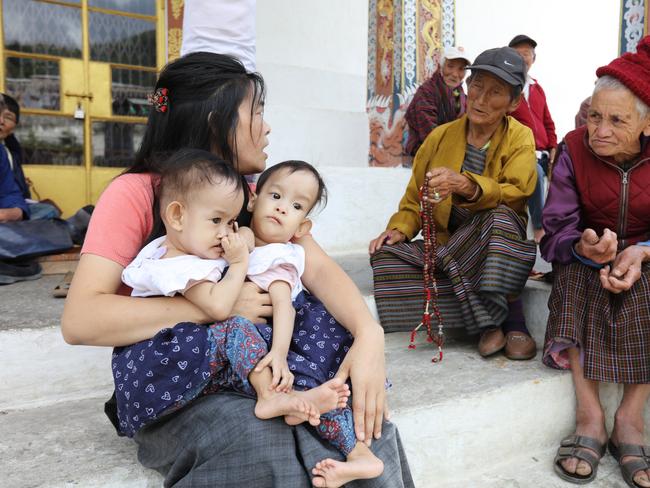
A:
509,176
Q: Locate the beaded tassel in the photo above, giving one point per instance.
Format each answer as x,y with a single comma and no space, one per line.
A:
430,286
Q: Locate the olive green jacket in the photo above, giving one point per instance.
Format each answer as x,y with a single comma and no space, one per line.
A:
509,176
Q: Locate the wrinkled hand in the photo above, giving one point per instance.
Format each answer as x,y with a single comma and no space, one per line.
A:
625,271
235,249
446,182
253,304
392,236
364,365
282,378
600,250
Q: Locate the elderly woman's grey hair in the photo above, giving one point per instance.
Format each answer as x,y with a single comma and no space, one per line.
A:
610,83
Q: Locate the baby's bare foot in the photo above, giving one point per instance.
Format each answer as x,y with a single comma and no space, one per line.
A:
328,396
278,404
361,464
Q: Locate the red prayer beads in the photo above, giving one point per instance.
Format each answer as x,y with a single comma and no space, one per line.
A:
430,286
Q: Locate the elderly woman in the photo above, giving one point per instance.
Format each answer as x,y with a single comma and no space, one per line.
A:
482,169
596,219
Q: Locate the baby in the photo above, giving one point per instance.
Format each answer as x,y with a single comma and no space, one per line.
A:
305,340
203,257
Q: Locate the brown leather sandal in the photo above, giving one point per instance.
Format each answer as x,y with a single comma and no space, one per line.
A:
61,290
630,468
573,447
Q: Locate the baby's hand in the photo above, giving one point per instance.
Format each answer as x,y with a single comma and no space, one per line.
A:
282,378
248,237
235,249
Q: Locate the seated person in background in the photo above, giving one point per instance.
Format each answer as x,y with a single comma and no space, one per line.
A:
581,116
14,152
480,171
533,112
597,227
12,202
438,100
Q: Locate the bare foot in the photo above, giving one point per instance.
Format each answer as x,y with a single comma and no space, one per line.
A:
328,396
588,427
278,404
626,432
361,464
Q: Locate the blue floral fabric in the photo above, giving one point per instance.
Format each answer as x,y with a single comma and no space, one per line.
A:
318,346
160,375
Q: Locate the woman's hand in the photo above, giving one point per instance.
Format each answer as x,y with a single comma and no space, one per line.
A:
253,304
447,182
600,250
626,269
392,236
365,366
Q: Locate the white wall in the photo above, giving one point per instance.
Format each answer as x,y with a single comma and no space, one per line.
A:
313,55
574,38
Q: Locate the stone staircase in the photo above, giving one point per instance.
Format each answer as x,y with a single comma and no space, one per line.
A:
465,422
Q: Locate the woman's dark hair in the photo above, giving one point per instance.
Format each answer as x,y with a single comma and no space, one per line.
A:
294,166
204,92
187,170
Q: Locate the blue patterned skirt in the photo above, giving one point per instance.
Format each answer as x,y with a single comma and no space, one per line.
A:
160,375
318,346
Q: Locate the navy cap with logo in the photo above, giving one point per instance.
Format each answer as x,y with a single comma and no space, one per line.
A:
522,39
503,62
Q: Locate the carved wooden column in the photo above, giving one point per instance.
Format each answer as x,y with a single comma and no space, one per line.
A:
404,41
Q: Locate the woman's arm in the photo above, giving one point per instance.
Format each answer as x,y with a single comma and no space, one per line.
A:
365,362
95,315
562,217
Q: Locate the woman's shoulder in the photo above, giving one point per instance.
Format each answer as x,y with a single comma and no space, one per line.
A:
133,181
132,189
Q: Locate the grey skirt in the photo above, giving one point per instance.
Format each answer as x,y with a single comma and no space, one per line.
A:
217,442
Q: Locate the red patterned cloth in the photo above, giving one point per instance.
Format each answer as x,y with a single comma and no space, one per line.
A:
433,104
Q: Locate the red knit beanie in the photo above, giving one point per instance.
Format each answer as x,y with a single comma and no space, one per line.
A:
633,70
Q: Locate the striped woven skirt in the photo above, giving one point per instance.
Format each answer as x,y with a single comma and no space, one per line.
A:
612,330
486,260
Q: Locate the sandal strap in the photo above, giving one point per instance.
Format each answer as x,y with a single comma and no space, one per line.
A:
581,441
578,453
630,468
634,450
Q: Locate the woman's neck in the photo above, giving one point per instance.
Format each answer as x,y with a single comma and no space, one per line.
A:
479,135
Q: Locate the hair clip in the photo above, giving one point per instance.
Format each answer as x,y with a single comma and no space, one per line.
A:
159,99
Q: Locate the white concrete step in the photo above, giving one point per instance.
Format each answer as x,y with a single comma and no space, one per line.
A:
464,415
535,470
63,372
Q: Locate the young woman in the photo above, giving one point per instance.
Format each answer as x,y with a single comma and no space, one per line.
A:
209,101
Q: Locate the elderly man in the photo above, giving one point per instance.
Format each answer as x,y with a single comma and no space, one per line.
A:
533,112
597,227
438,100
